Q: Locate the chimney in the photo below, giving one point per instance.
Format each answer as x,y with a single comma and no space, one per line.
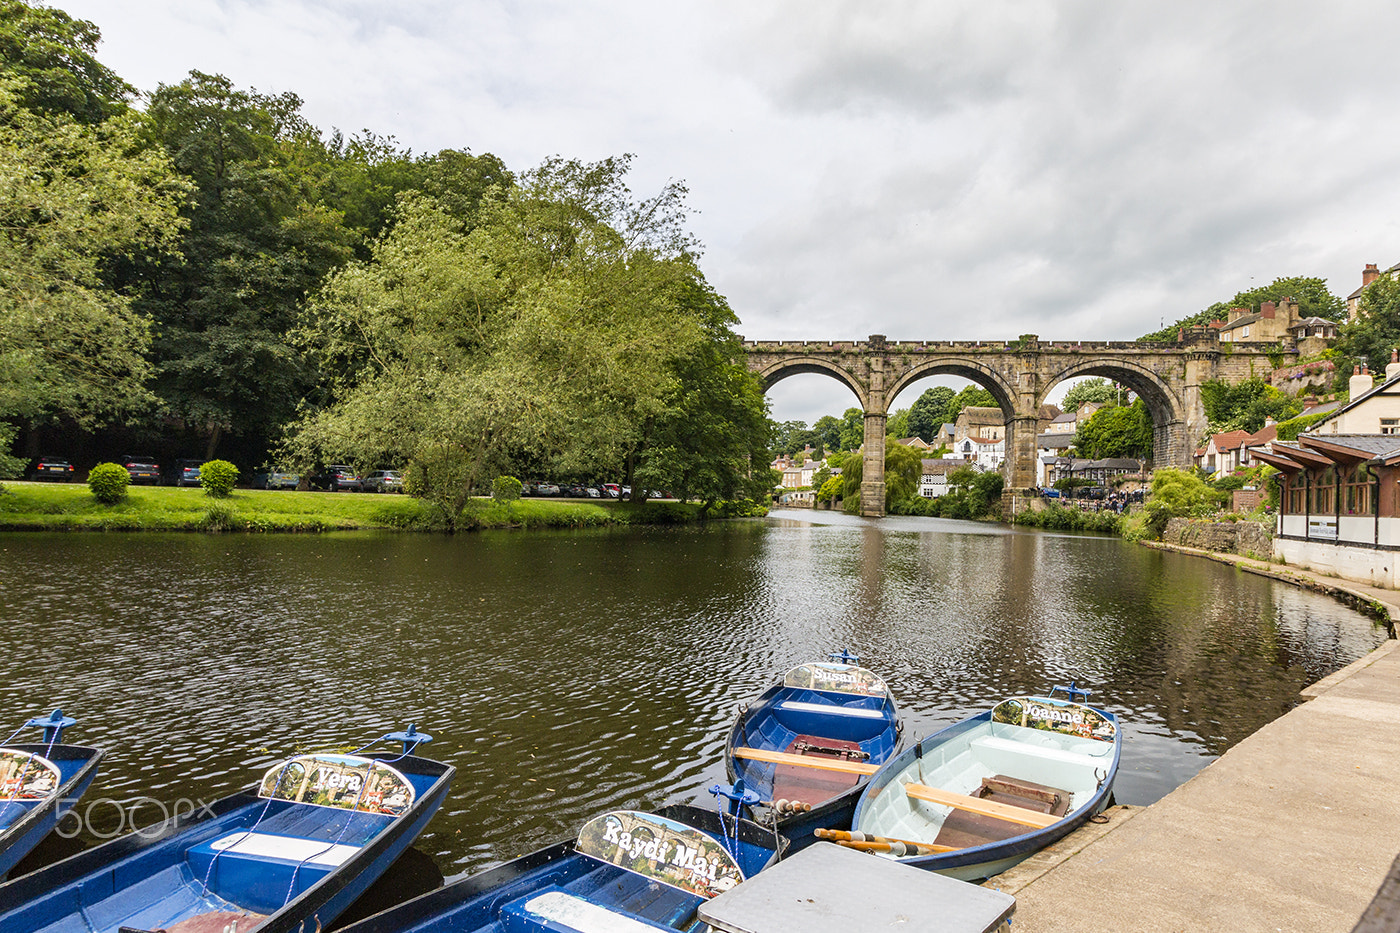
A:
1393,369
1369,274
1360,383
1266,310
1269,421
1236,313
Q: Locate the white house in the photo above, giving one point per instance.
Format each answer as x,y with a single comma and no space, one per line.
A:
934,481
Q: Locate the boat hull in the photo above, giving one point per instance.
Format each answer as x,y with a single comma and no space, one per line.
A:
477,902
78,765
767,724
122,882
979,749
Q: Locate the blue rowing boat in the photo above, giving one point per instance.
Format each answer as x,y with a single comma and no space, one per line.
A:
39,783
625,872
803,750
296,847
972,800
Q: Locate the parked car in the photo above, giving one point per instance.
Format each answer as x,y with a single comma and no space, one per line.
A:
51,470
612,490
184,473
383,481
143,470
275,480
336,477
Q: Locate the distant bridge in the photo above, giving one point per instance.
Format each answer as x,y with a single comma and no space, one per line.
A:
1019,374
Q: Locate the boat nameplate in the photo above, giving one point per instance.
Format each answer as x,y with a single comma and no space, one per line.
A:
27,776
836,678
661,849
1056,716
346,782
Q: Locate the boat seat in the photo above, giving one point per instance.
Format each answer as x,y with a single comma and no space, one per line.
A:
555,910
255,870
1043,752
828,709
855,723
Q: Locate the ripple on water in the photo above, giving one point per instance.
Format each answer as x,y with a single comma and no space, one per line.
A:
563,674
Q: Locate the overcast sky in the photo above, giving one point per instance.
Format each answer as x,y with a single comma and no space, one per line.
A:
959,169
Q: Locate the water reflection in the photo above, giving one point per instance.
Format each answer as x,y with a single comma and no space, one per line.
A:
565,673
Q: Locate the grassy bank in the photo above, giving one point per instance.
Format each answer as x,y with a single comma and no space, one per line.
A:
71,507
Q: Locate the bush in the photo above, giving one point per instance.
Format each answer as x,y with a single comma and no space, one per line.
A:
108,482
217,477
506,489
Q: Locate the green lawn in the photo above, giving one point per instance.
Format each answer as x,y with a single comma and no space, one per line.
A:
70,506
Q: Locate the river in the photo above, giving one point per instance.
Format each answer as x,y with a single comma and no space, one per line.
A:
564,673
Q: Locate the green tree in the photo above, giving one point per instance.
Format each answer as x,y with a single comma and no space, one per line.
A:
898,424
1099,391
75,196
258,241
562,332
852,429
54,58
1246,405
1116,431
1373,334
903,469
828,428
926,415
973,396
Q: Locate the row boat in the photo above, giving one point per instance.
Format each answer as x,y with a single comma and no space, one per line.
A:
295,848
626,872
789,747
39,784
977,797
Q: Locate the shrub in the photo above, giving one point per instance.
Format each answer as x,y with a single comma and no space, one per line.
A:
108,482
217,477
506,489
218,517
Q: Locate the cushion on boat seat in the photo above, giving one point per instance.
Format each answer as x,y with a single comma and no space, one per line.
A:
261,871
555,910
291,848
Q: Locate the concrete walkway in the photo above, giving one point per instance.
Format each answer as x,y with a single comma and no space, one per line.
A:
1292,829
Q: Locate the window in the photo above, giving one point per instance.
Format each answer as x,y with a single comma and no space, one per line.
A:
1324,493
1246,331
1296,504
1390,425
1358,492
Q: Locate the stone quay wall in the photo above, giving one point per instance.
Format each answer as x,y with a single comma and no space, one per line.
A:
1244,538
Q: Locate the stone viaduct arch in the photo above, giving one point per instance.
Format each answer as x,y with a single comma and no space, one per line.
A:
1019,374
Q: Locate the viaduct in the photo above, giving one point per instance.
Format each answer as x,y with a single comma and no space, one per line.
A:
1019,374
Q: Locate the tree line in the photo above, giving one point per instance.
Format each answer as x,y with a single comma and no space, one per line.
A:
200,269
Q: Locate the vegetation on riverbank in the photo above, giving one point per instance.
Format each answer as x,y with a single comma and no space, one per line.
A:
45,507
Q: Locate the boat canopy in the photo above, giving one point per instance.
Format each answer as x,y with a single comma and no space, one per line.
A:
27,776
836,678
1055,716
662,850
346,782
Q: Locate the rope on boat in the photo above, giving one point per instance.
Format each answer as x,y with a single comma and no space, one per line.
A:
349,818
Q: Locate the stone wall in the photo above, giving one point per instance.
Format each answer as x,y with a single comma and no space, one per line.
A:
1242,538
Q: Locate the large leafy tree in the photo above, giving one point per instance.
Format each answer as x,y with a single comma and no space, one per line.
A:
1246,405
1097,390
53,56
927,413
75,196
258,241
559,333
1373,334
828,428
1116,431
852,429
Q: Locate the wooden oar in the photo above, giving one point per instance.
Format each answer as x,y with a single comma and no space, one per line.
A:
870,841
990,808
806,761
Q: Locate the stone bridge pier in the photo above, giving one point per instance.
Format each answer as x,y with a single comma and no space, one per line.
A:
1019,374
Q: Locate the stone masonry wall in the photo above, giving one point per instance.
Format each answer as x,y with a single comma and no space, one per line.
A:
1242,538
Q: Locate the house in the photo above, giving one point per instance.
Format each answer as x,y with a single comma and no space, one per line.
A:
1066,423
915,441
984,422
1221,455
1368,275
1372,409
1051,447
987,452
934,479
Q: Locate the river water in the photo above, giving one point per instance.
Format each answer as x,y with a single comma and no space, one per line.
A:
564,673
